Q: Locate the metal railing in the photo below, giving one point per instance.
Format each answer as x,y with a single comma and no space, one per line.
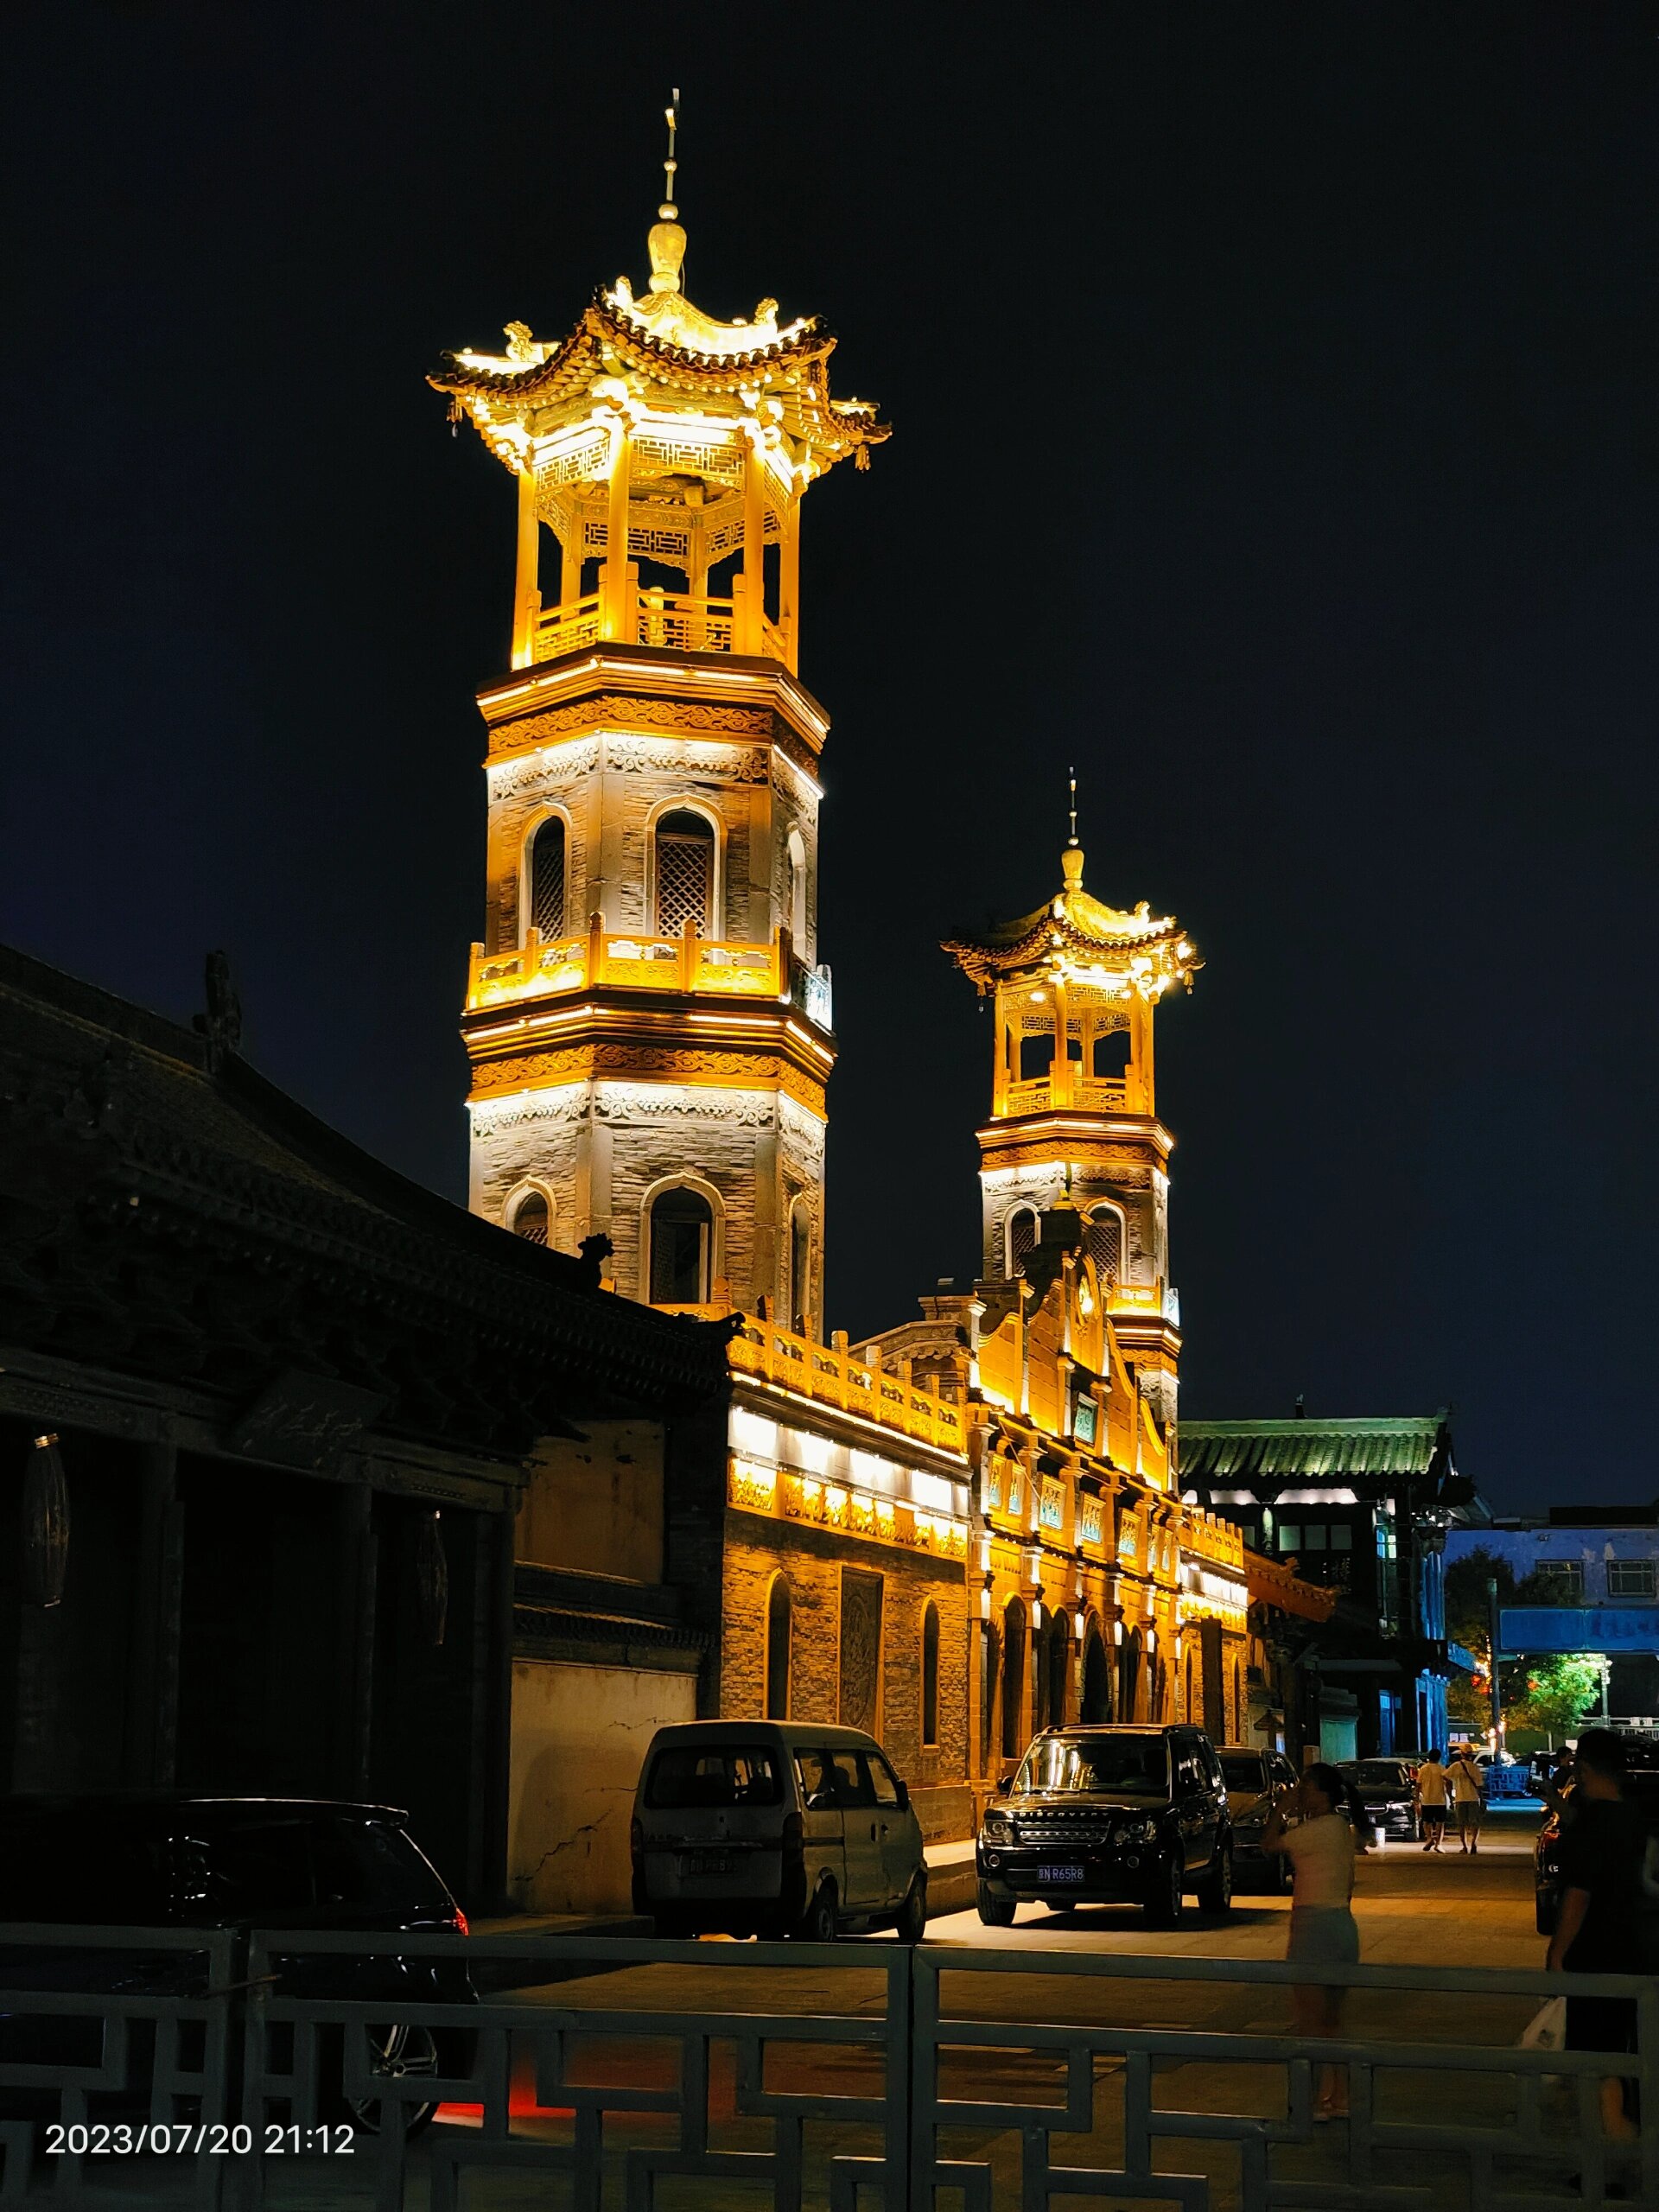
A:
601,2068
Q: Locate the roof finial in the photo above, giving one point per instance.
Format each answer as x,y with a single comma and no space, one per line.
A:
1071,858
666,243
667,211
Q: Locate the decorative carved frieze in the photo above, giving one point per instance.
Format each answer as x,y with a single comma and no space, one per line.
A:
582,1062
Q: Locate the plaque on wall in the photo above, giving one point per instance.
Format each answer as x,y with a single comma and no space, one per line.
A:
860,1647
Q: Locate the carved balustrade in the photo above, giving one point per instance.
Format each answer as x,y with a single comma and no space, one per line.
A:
682,621
637,961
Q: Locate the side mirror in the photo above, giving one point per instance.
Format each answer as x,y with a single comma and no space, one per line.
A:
903,1787
1002,1785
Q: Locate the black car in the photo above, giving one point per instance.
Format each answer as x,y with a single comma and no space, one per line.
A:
1255,1780
1641,1785
155,1862
1108,1816
1387,1788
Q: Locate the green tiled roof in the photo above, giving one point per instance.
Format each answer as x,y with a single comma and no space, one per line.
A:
1286,1451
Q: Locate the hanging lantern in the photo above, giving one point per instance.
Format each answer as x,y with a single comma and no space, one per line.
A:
432,1577
46,1524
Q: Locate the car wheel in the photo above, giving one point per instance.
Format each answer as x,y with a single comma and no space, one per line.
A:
400,2053
820,1925
1163,1906
995,1913
911,1923
1216,1890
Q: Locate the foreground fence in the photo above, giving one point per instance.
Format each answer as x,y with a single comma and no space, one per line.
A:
595,2075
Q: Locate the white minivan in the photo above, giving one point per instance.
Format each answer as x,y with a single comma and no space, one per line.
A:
775,1827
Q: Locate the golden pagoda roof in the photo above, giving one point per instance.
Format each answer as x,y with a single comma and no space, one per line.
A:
1080,934
665,342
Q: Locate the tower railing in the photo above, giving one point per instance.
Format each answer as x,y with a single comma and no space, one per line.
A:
682,621
636,960
1044,1092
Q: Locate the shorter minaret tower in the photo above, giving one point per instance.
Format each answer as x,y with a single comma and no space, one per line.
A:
648,1019
1073,989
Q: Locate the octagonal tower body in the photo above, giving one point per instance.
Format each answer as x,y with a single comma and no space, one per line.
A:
648,1021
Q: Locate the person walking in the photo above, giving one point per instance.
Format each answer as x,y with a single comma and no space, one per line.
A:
1464,1777
1431,1787
1601,1926
1330,1828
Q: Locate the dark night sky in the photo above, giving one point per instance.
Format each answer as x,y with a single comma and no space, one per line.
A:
1274,396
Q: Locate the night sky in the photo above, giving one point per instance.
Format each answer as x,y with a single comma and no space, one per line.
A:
1273,400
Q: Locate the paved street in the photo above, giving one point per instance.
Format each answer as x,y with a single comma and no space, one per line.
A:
1449,1911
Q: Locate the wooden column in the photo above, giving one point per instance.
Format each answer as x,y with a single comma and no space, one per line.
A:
752,608
527,601
789,586
570,566
357,1560
615,615
152,1746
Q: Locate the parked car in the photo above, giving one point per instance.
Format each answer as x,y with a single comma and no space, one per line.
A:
1388,1790
1641,1785
171,1861
1254,1779
773,1828
1110,1815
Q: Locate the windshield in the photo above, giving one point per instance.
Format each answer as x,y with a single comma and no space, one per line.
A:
690,1775
1242,1770
1127,1766
1378,1773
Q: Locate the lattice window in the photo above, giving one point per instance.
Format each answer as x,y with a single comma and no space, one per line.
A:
531,1218
1104,1237
1630,1578
682,1243
547,880
1022,1238
685,873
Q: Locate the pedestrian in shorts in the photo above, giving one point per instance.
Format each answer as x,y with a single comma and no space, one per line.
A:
1431,1802
1464,1779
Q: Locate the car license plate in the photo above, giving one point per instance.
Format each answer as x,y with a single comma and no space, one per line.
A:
706,1862
1060,1873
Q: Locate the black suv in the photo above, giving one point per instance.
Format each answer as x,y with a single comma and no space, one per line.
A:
162,1861
1110,1816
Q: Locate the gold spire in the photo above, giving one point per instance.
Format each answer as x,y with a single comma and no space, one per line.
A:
666,243
1071,858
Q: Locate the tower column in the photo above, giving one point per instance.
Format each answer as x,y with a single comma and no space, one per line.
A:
753,609
526,604
789,586
615,615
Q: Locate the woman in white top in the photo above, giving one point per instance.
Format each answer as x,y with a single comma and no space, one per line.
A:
1321,1847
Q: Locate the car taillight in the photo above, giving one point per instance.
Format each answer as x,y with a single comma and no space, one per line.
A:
794,1836
636,1841
458,1922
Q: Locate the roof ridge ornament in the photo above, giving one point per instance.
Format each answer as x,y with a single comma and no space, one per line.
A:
666,241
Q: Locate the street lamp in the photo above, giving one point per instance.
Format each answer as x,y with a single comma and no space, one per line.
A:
1497,1694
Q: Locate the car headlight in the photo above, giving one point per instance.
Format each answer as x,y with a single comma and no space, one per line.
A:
1141,1830
996,1827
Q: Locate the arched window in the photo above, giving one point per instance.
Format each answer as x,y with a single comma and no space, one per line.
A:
1104,1238
1129,1678
1014,1679
546,884
779,1617
681,1238
531,1217
930,1672
798,891
1059,1670
1096,1681
1022,1237
992,1657
800,1269
685,873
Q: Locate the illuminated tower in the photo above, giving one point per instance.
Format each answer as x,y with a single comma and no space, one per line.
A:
648,1023
1074,988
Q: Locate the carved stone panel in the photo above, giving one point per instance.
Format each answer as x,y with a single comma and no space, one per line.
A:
860,1647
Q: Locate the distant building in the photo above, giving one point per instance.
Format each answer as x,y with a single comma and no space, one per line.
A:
1587,1579
1363,1505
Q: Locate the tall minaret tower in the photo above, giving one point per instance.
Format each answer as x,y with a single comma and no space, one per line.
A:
647,1019
1074,988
